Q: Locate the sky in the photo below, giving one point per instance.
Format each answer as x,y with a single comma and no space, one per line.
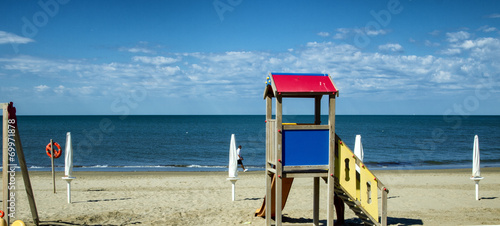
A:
178,57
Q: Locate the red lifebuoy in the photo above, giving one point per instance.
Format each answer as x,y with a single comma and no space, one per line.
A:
1,213
57,152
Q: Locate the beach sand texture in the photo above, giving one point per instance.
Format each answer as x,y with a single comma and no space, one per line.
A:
417,197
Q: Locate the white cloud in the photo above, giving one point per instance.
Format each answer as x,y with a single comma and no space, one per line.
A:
493,16
375,32
441,76
457,36
451,51
343,33
243,72
480,48
435,32
84,90
137,50
6,38
170,70
158,60
41,88
487,29
60,89
431,44
324,34
391,47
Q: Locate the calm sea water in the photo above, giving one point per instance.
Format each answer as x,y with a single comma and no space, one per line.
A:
201,143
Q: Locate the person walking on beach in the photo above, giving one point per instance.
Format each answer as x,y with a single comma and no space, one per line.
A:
240,159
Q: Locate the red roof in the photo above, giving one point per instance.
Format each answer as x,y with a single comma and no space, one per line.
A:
291,84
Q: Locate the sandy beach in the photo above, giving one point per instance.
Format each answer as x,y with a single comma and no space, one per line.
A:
417,197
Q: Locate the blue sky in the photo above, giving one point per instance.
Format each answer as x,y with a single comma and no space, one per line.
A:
62,57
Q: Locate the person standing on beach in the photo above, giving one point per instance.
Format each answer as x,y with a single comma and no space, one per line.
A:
240,159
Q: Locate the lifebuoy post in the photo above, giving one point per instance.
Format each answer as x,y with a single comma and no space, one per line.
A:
52,162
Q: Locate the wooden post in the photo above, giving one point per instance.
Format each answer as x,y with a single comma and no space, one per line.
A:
5,162
52,162
279,166
26,178
383,218
269,108
269,175
316,202
317,121
317,110
331,161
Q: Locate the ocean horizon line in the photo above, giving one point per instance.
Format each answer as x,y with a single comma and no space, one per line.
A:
472,115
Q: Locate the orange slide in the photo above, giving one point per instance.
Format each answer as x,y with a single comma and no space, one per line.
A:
287,184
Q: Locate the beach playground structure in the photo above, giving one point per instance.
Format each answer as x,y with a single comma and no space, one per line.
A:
313,150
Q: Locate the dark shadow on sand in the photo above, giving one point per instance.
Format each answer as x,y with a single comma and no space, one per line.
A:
63,223
253,198
286,219
404,221
353,221
489,198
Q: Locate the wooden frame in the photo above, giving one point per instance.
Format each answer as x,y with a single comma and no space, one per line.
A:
274,151
5,162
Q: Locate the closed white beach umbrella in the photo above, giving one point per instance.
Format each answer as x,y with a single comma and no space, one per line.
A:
68,164
68,158
233,158
233,165
476,169
358,150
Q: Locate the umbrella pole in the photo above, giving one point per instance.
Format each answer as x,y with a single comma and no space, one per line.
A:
234,187
68,183
476,181
477,189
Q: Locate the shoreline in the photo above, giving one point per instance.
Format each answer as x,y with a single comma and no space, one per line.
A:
429,197
224,169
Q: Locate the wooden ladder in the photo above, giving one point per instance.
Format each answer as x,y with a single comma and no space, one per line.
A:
358,187
356,207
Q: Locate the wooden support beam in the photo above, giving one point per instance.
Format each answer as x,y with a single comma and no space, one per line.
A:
269,108
305,127
17,147
5,162
269,174
269,207
26,178
279,166
383,218
331,161
316,201
317,110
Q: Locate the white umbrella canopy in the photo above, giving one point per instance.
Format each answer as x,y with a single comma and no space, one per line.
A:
358,150
476,169
233,165
68,158
68,164
233,158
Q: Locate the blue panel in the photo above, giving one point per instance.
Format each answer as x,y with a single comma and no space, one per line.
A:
305,147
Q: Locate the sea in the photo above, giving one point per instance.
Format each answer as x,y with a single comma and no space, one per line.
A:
201,142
